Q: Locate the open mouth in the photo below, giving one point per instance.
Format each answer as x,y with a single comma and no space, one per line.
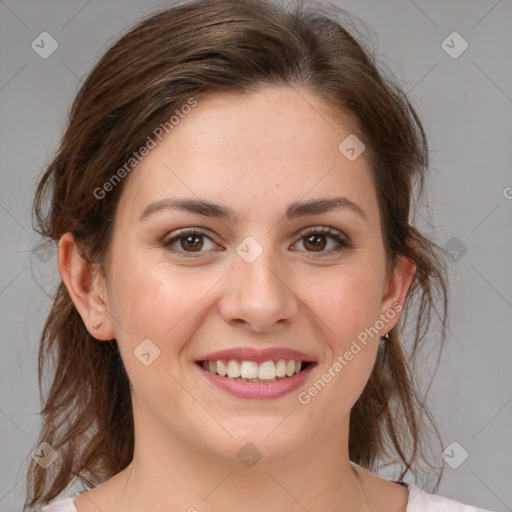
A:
252,371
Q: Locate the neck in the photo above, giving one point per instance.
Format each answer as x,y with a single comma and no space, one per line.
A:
173,475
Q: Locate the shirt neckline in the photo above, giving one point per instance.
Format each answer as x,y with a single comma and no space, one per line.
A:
413,491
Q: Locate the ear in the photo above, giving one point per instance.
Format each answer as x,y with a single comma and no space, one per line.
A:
395,290
86,287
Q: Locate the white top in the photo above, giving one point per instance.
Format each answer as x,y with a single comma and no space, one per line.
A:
419,501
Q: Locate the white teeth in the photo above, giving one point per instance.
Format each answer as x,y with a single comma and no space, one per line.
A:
281,368
290,368
233,369
251,370
222,368
267,370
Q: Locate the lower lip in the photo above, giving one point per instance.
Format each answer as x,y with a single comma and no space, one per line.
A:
257,390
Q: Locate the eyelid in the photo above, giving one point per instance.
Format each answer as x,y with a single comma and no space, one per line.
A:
343,242
173,237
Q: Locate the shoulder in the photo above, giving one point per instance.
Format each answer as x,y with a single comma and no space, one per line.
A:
62,505
387,496
420,501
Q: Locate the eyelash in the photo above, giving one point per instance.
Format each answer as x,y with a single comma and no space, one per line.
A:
343,244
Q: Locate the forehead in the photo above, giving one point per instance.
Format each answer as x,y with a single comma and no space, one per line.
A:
251,151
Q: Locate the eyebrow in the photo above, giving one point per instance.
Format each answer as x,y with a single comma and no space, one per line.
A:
294,210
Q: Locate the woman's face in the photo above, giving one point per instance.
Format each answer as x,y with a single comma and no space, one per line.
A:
262,283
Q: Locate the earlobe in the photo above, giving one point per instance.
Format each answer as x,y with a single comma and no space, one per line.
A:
395,291
85,286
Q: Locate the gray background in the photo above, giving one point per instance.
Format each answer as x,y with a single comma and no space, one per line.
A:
466,105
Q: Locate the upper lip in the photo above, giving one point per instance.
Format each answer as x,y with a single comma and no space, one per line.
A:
257,355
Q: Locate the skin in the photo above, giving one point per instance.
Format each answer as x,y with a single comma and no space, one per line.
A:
256,154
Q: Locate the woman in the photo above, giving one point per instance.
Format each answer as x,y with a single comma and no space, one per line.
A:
231,201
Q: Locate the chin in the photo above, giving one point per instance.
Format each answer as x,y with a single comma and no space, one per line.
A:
256,439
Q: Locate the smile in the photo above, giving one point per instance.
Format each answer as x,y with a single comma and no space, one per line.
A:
252,371
255,381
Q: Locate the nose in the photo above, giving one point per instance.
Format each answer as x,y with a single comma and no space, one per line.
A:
259,296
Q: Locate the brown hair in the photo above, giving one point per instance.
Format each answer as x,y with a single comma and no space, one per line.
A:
233,46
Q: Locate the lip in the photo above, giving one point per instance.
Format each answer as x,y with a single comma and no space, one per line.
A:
257,390
257,355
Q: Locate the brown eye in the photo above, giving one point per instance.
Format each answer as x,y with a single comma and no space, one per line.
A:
315,240
190,241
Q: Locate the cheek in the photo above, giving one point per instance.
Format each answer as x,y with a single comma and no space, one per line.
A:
152,311
154,300
346,300
348,309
